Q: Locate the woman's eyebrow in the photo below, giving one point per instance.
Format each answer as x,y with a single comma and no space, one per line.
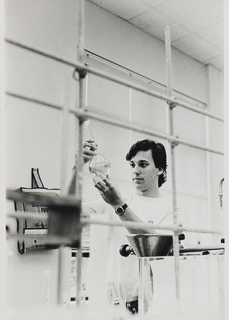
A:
140,162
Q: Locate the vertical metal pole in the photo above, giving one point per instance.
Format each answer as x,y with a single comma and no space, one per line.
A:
65,131
145,286
64,262
171,129
79,159
221,285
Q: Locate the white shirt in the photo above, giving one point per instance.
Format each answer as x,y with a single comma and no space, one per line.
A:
123,272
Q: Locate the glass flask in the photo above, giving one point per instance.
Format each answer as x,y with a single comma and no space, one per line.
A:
98,163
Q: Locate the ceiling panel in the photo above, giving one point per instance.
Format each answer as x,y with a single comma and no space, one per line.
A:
195,14
211,34
193,45
154,22
125,9
196,25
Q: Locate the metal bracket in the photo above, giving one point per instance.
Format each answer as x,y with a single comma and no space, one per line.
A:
83,117
174,143
172,104
81,71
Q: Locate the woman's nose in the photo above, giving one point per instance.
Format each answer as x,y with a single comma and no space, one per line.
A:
137,170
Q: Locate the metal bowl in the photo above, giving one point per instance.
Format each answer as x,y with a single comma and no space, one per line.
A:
150,245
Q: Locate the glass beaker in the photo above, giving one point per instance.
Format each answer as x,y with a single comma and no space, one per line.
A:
98,163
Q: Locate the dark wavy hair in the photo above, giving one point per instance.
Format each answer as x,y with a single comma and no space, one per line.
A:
158,155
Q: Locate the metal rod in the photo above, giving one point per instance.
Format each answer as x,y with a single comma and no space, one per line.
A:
63,252
46,239
81,68
123,124
145,289
84,114
146,225
130,224
221,271
33,100
173,163
65,132
81,14
79,160
65,275
44,199
28,214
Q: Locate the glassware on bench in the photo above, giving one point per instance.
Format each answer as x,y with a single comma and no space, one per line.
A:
98,162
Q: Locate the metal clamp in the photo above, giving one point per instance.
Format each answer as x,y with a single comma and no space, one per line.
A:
174,143
172,104
81,71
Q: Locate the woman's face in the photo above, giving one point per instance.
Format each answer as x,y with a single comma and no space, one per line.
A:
144,173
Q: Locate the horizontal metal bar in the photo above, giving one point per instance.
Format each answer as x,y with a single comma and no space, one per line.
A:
44,199
85,114
27,214
91,54
45,239
130,224
149,226
44,103
202,248
82,69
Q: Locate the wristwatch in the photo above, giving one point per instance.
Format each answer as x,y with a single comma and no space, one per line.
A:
121,210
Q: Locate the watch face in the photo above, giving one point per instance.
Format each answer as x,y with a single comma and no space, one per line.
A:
119,210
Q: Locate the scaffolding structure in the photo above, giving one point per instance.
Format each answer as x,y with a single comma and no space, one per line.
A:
82,115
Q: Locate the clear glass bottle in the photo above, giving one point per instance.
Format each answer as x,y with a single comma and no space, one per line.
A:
98,162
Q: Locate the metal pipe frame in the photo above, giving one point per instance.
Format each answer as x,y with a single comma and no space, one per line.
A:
62,294
85,114
79,162
172,151
83,70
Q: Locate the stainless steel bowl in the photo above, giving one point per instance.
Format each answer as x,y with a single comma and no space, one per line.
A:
150,245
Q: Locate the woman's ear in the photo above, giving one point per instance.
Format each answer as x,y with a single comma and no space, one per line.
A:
159,171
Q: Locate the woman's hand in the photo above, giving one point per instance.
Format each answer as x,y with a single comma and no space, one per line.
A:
89,150
110,193
108,190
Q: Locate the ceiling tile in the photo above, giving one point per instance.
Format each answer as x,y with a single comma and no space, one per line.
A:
154,22
214,34
196,25
195,14
197,47
125,9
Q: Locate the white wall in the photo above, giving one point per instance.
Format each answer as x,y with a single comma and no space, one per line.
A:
33,132
119,41
216,140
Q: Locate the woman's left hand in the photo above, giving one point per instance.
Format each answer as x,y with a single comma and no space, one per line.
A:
108,190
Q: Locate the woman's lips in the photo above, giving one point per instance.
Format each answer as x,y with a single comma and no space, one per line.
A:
138,180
